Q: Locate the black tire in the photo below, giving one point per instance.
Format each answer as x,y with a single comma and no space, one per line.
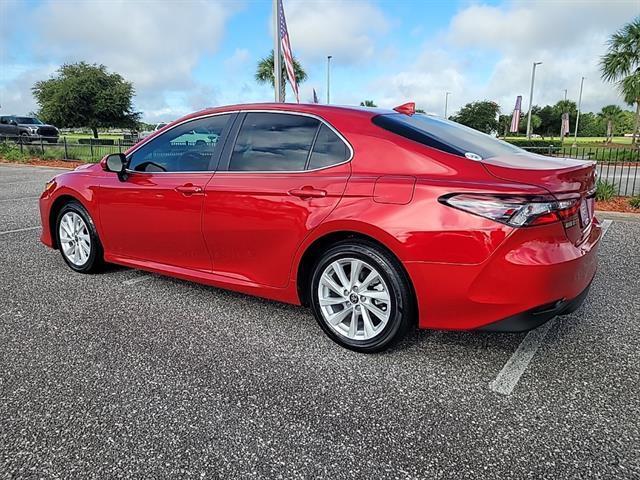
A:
95,262
24,138
402,315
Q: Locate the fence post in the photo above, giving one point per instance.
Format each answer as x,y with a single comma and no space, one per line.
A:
21,142
66,153
41,145
119,145
91,148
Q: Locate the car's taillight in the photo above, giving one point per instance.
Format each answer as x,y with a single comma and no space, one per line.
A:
516,211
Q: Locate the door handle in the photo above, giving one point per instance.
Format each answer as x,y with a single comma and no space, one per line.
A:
188,189
308,192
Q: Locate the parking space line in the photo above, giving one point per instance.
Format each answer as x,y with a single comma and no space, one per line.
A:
6,232
138,279
508,378
22,183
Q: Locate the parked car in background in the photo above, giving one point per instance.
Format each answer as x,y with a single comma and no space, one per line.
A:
158,126
27,129
379,220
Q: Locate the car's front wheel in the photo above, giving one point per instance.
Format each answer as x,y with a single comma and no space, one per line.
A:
361,296
77,239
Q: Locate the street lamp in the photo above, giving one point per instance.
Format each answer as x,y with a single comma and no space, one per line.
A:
329,79
575,135
446,103
533,79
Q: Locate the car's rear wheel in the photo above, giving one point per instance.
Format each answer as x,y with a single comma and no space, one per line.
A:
77,239
361,296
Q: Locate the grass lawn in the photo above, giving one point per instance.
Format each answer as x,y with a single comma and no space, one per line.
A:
73,137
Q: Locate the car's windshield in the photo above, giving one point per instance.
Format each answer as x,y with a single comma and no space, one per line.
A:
446,135
28,121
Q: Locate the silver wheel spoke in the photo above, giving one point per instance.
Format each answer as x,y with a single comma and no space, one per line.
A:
353,326
332,301
378,295
382,315
328,281
341,275
339,317
356,267
373,275
368,324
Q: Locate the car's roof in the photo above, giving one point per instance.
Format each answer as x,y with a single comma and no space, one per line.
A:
312,108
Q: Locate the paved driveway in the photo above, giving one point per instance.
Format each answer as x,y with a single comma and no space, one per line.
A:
126,374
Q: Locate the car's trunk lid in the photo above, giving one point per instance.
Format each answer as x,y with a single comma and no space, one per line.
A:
563,178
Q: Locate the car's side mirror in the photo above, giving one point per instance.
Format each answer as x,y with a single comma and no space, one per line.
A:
116,163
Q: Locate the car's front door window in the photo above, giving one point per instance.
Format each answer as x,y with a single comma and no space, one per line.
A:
191,147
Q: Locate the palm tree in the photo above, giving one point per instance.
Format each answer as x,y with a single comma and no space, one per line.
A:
368,103
621,64
610,115
264,72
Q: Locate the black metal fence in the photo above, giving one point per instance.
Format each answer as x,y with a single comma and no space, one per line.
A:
619,167
54,148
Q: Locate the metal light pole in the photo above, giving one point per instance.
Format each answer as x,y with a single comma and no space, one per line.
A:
329,79
575,135
277,71
533,79
565,94
446,103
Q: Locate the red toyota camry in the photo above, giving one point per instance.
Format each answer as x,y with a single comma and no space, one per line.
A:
379,220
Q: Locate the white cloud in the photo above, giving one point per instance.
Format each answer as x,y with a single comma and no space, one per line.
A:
568,37
152,44
346,30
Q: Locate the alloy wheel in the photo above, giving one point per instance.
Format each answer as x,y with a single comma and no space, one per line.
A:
75,240
354,299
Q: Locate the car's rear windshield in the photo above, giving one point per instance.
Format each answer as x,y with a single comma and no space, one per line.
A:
446,135
28,121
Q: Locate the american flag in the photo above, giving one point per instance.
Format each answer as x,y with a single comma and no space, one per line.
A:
515,119
286,50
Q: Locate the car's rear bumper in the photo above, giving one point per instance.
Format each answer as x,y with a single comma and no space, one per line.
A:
534,275
522,322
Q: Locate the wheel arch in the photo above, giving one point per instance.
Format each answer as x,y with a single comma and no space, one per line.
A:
321,243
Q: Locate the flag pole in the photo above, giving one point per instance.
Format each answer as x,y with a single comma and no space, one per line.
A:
277,71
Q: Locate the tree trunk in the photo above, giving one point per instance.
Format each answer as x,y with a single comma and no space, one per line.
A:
609,131
95,132
634,139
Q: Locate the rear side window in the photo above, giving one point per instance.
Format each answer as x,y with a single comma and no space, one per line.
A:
328,150
273,142
450,137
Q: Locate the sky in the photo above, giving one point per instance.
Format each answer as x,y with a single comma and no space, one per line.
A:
186,55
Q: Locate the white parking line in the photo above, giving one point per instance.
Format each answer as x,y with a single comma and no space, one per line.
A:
510,374
6,232
141,278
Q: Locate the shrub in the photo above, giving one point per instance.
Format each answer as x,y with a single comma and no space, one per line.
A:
635,201
12,153
605,190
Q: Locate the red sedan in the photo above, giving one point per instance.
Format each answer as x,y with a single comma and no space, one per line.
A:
380,220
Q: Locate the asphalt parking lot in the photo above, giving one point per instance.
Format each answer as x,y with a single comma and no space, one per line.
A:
126,374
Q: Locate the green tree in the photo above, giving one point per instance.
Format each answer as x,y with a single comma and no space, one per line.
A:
368,103
610,116
479,115
264,72
83,95
621,64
